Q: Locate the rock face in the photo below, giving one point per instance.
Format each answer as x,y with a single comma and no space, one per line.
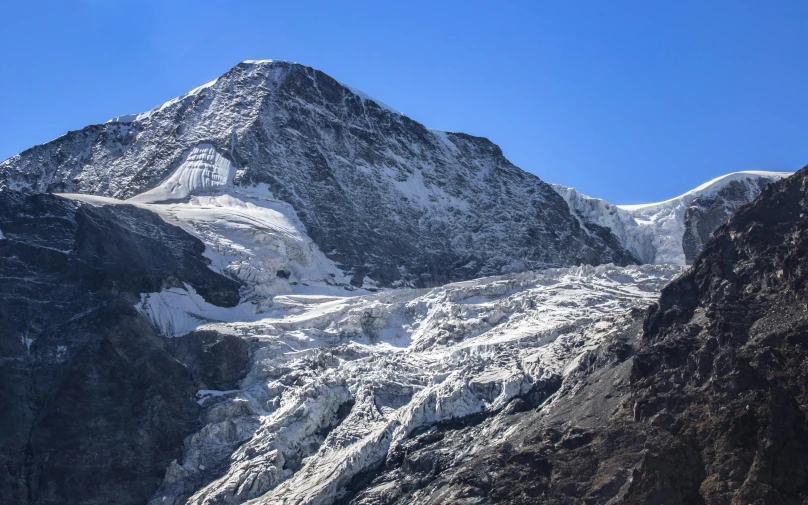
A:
673,231
701,399
707,212
381,195
93,405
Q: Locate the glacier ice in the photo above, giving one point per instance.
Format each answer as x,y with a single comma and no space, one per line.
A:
337,383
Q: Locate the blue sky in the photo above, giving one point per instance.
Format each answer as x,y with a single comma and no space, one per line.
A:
631,101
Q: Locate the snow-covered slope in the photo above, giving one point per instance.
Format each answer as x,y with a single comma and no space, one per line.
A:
673,231
386,200
336,384
249,236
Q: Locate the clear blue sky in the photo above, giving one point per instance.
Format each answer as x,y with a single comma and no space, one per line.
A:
631,101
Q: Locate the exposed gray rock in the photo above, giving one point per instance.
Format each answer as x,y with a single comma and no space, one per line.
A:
706,213
380,194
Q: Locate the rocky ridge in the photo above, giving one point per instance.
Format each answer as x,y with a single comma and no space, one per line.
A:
385,199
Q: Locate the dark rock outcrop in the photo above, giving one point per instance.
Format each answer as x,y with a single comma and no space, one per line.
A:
93,406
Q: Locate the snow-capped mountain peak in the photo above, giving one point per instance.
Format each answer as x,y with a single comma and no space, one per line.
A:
386,200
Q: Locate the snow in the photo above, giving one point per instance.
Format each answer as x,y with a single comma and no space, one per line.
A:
203,170
395,363
259,62
180,310
129,118
126,118
707,188
365,97
653,232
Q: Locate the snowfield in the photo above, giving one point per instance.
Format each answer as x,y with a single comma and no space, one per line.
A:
337,382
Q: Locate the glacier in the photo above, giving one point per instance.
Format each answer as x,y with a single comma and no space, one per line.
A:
335,384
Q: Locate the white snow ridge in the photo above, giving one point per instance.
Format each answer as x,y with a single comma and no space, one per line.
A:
653,232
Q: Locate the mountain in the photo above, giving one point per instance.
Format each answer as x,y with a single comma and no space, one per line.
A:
328,178
198,307
133,373
95,404
676,230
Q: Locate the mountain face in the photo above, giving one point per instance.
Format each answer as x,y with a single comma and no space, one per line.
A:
388,201
202,315
93,405
674,231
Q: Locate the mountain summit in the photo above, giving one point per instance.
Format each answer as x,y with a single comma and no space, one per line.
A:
387,200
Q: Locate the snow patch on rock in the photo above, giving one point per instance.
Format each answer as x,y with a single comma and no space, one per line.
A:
180,310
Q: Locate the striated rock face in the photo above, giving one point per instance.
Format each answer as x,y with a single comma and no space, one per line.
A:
93,405
701,399
381,195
